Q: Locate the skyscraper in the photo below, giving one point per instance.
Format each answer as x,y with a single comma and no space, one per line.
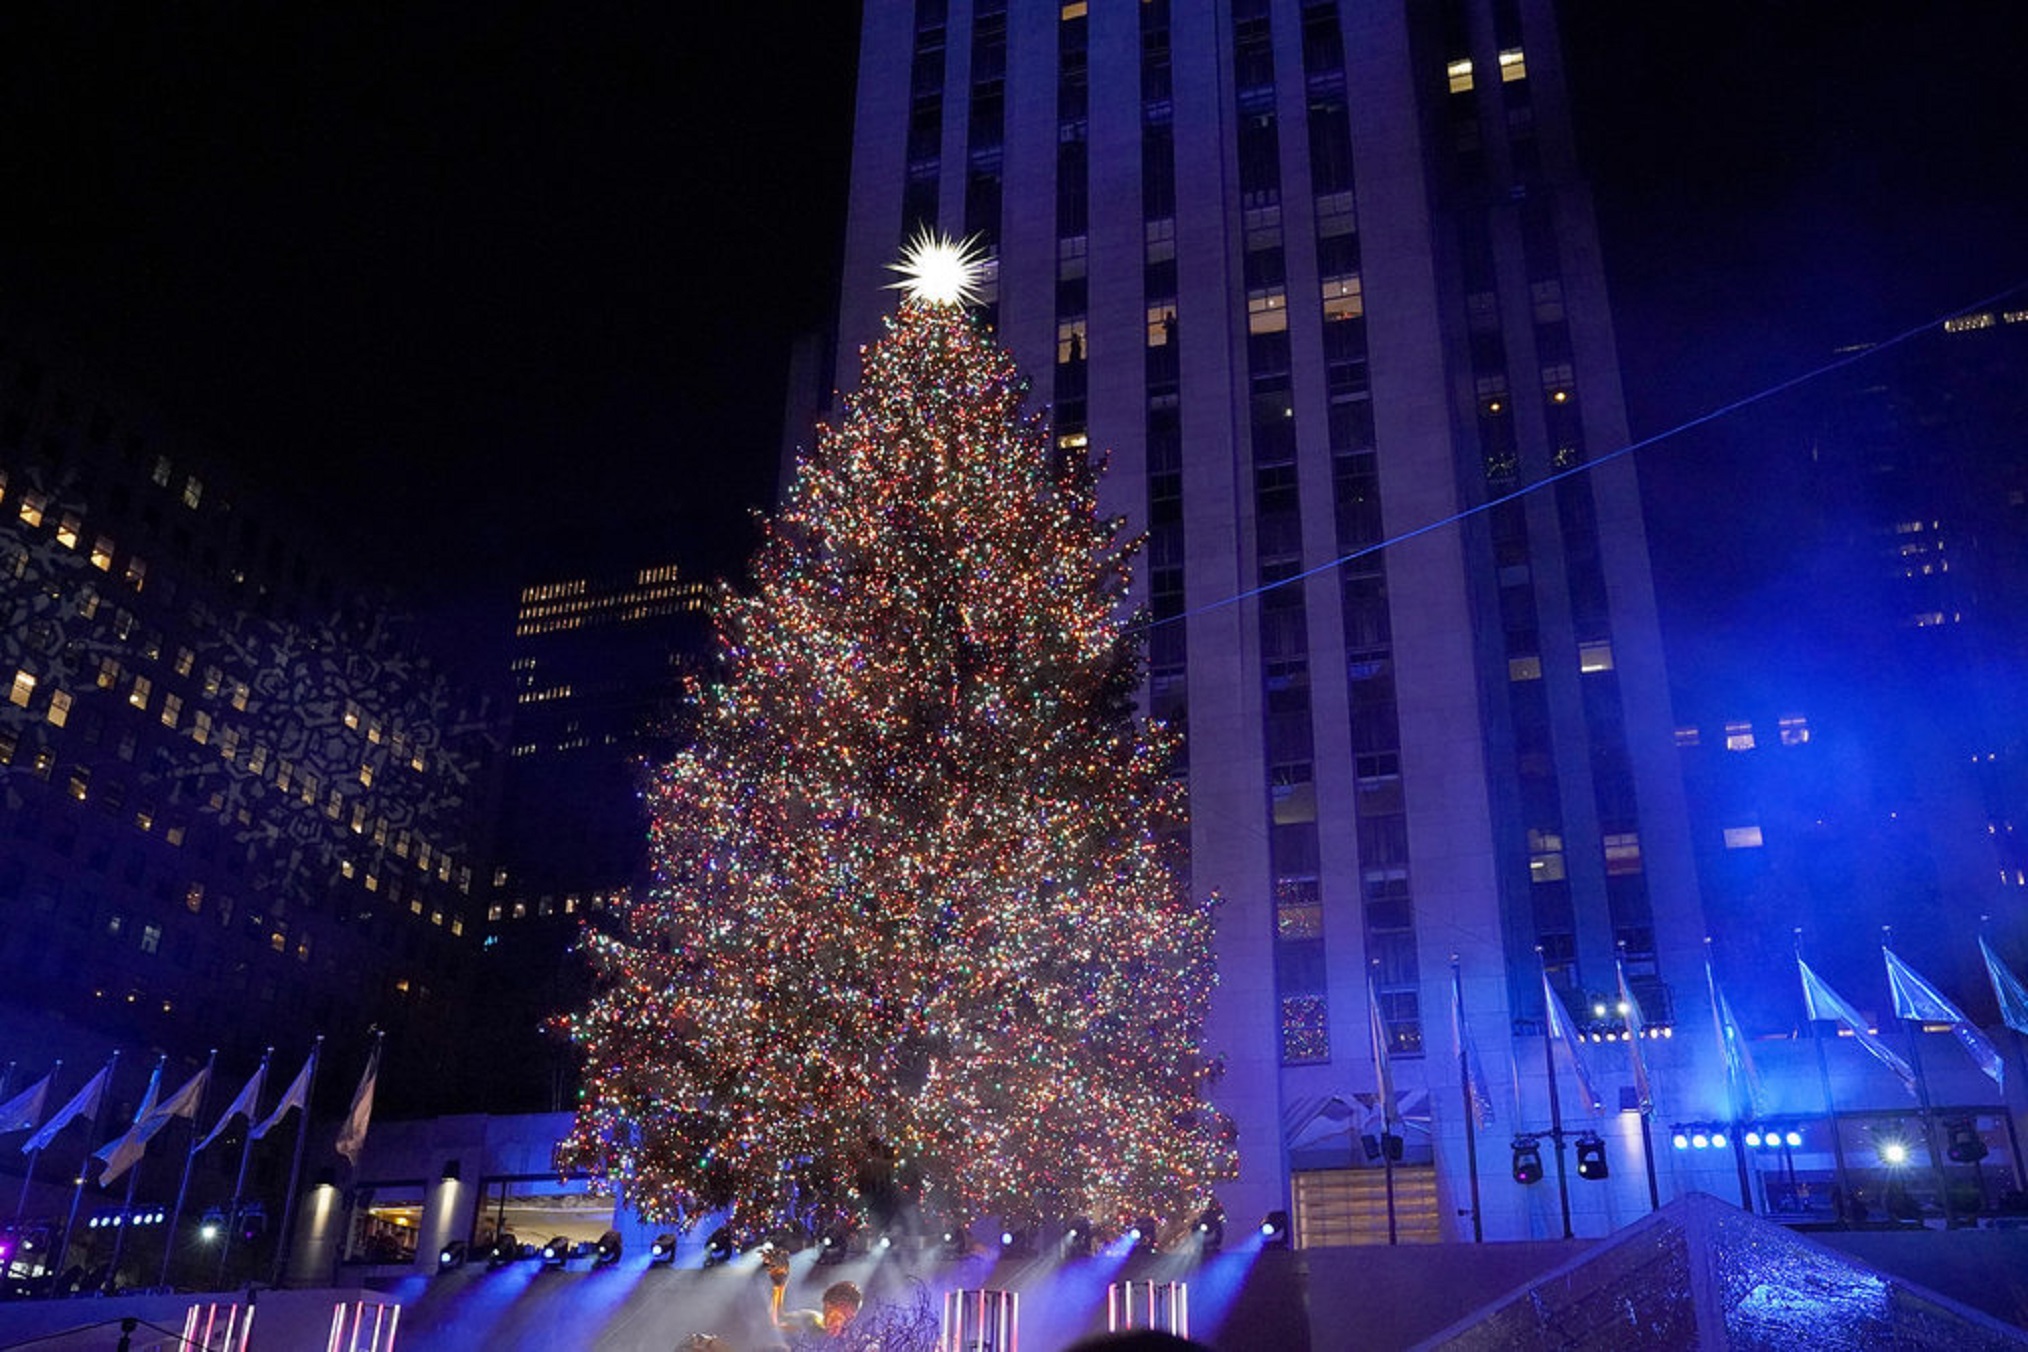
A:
1320,277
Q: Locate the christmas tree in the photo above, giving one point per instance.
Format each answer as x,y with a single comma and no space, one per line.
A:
915,939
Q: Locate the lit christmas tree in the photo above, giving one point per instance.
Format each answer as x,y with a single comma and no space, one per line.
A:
915,939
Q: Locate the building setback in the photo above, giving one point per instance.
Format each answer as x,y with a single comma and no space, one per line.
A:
1315,277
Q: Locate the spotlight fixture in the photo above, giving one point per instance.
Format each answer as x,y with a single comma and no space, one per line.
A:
1017,1241
956,1239
718,1247
1211,1230
505,1249
1077,1238
662,1252
556,1253
884,1243
1527,1160
1962,1141
607,1251
1679,1138
1894,1152
1143,1234
835,1243
1386,1143
1792,1138
1274,1230
1753,1138
452,1255
1591,1156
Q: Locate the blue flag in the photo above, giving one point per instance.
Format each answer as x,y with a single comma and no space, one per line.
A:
1915,998
1821,1002
2007,989
1559,1030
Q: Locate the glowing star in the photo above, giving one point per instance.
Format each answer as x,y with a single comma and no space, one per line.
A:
939,270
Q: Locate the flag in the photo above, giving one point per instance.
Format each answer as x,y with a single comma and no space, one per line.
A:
1738,1060
24,1110
1821,1002
245,1104
1915,998
121,1154
352,1136
1467,1053
1643,1091
84,1103
1383,1072
295,1096
2007,989
1559,1028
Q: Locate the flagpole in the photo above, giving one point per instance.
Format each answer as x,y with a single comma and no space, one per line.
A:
1383,1090
296,1166
1914,1027
1555,1104
189,1159
239,1183
92,1134
1470,1105
127,1207
1733,1096
1989,958
1830,1108
28,1177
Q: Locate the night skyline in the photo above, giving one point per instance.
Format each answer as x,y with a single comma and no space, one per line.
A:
421,254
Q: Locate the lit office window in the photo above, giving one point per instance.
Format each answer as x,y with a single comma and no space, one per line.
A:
1513,65
1739,736
1622,854
1344,297
59,707
1267,310
67,530
24,689
144,689
1460,75
32,507
1596,655
1795,730
1742,838
102,553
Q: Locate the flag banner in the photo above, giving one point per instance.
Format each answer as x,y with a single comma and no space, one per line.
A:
1821,1002
295,1096
1636,1032
1738,1060
1383,1070
123,1152
1559,1030
2007,989
1915,998
84,1103
24,1110
243,1106
352,1136
1467,1053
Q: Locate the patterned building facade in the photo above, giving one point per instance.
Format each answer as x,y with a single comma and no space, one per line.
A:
1321,280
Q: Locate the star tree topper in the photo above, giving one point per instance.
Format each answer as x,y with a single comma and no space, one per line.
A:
939,270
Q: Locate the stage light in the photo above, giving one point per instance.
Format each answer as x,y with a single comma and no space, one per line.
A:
663,1251
1017,1241
608,1249
1719,1140
556,1253
836,1243
1211,1230
506,1249
1077,1239
1700,1139
1527,1160
1792,1138
1591,1157
718,1248
452,1255
1894,1152
1143,1234
956,1240
1962,1141
1679,1138
885,1242
1753,1139
1274,1230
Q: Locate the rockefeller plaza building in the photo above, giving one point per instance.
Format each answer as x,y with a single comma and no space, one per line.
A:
1318,278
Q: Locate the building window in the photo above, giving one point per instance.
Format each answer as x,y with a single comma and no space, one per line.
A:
67,530
143,690
1267,310
102,554
1622,854
1739,736
1306,1036
1344,297
151,938
193,491
1545,857
1513,66
137,573
32,507
1597,655
1524,668
1460,75
24,689
59,707
1795,730
172,709
1742,838
1687,736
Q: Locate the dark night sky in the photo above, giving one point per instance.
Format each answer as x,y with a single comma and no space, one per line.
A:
522,279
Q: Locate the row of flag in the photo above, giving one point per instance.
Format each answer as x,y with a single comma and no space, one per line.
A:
24,1111
1915,998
